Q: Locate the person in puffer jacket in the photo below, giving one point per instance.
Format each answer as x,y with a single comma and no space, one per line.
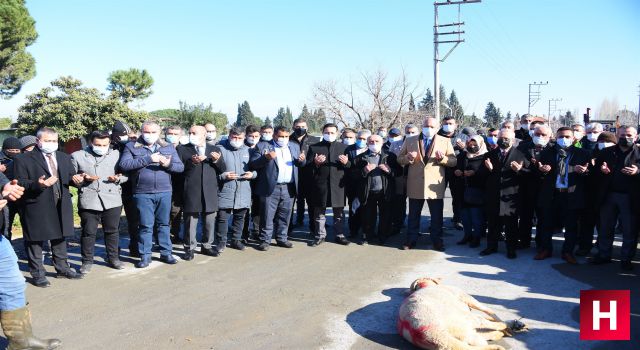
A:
234,198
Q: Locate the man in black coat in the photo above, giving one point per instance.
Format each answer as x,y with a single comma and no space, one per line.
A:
328,162
202,165
523,133
353,180
46,174
562,192
619,191
505,164
375,190
301,137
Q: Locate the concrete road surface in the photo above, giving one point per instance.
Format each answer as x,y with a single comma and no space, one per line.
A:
328,297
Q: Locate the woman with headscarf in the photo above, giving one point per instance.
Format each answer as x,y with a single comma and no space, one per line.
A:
473,175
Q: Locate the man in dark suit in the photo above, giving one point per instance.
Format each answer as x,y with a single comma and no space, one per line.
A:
276,163
199,181
523,133
46,174
504,164
353,178
302,138
375,190
562,193
328,161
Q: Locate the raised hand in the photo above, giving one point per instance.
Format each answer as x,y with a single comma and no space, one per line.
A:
604,168
230,175
439,155
215,156
488,164
581,169
3,168
515,166
155,157
114,178
78,178
12,191
384,168
271,155
48,182
247,175
318,159
458,173
412,156
343,159
544,168
302,157
165,161
630,170
460,144
90,178
196,159
469,173
3,203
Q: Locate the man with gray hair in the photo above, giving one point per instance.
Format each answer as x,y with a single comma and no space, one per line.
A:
150,161
590,141
46,174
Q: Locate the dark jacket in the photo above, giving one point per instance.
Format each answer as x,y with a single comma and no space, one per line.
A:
199,182
268,169
353,177
523,134
8,162
305,174
479,178
610,156
576,182
41,218
235,194
503,183
361,161
148,177
328,179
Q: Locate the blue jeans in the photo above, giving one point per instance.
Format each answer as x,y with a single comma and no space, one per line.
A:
12,284
154,209
473,221
436,207
276,211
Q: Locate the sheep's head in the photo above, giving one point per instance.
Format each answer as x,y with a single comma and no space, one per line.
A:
424,282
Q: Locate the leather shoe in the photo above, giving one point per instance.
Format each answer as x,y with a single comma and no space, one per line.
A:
237,245
342,240
317,242
583,252
69,274
209,251
285,244
115,264
85,268
488,251
542,255
41,282
511,254
264,246
438,247
188,255
568,257
599,260
168,259
143,263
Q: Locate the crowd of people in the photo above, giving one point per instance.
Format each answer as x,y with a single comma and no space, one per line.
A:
244,188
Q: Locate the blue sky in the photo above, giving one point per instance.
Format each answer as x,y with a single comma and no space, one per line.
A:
270,53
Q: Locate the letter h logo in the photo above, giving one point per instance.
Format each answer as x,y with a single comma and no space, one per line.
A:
605,315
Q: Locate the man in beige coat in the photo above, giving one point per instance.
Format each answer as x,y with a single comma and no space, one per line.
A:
426,155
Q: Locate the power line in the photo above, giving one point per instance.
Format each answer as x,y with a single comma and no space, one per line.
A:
534,95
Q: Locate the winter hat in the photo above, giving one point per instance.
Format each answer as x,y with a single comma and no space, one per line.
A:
28,140
120,128
11,143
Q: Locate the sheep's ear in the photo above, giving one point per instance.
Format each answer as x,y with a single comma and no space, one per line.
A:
438,280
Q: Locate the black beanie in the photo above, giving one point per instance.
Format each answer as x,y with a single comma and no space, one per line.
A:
11,143
120,129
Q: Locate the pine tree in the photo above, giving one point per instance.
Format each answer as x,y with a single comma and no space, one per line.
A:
456,108
267,121
306,115
319,120
509,118
287,122
492,115
412,104
427,105
245,116
443,99
277,120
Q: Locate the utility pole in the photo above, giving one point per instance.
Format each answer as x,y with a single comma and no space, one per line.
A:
436,41
555,107
534,95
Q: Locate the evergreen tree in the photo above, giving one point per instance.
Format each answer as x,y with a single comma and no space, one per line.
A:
17,31
287,122
129,85
306,115
319,120
279,118
456,109
568,119
509,118
245,116
427,103
492,115
443,100
412,104
267,121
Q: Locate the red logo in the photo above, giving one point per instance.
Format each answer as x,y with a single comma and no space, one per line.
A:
605,315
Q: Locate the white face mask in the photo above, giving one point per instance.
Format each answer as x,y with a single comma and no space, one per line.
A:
382,134
428,132
124,138
348,141
235,143
252,140
211,135
578,135
524,126
329,137
195,140
540,141
396,139
184,140
603,145
593,137
531,132
448,128
100,150
375,148
149,138
48,147
283,142
172,139
267,137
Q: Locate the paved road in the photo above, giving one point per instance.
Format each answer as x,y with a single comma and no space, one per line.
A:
329,297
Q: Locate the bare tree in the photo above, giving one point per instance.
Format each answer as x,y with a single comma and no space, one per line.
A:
374,101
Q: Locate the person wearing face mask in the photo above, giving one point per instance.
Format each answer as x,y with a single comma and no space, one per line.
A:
266,133
523,132
46,175
382,132
505,164
212,134
394,135
251,229
328,160
590,141
348,136
471,170
449,130
619,190
562,197
530,182
578,132
11,148
28,143
399,205
303,140
352,181
203,164
150,162
173,135
99,202
492,138
375,190
276,163
234,198
426,156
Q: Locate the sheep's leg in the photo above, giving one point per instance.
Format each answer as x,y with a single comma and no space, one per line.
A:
492,335
448,341
475,304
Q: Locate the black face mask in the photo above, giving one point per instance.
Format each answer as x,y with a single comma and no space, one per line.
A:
473,149
301,131
626,141
504,143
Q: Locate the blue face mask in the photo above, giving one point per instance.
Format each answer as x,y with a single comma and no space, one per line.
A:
564,143
172,138
361,144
